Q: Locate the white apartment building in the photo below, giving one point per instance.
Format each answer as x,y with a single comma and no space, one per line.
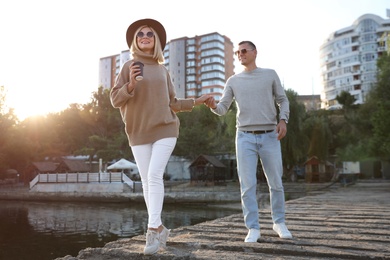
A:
198,65
348,58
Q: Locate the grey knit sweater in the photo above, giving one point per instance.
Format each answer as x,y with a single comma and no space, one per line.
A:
255,93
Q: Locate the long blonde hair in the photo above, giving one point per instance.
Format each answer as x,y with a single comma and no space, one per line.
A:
157,51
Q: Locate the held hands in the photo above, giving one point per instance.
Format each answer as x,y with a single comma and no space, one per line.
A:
202,100
210,102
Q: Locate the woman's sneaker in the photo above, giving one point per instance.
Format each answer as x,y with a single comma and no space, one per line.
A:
152,242
155,240
164,234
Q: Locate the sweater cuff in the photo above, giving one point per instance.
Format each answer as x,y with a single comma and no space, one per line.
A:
187,104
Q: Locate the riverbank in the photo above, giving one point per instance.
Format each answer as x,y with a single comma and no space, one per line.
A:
350,222
180,192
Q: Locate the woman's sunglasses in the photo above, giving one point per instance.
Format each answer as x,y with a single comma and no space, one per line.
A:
243,51
148,34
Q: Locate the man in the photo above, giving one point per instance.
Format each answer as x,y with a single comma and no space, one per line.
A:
255,91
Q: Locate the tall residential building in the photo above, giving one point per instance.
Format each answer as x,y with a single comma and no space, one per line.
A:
198,65
348,58
109,68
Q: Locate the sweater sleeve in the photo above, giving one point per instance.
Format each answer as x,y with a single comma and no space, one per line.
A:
281,98
226,100
178,104
119,94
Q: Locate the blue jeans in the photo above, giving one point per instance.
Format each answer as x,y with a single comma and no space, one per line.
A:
249,147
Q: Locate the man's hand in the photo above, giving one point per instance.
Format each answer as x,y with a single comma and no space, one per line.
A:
281,129
210,102
202,99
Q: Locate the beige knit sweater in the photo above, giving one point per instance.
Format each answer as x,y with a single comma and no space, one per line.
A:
149,111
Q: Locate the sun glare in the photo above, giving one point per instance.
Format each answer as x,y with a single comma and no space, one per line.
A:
26,109
23,113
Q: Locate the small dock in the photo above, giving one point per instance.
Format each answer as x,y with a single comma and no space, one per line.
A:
350,222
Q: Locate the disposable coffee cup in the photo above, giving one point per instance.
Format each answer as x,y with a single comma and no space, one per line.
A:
141,67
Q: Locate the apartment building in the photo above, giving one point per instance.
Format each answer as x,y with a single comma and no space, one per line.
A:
348,58
198,65
109,68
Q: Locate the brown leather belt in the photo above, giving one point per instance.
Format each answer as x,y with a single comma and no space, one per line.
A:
259,132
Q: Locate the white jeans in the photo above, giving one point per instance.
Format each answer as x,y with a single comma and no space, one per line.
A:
152,160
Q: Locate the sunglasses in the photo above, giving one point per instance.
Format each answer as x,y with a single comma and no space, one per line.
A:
243,51
148,34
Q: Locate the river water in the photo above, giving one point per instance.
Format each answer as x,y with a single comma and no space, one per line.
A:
47,230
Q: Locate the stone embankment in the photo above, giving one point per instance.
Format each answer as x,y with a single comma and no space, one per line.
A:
175,192
350,222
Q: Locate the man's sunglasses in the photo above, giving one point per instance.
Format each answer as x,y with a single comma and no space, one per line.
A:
243,51
148,34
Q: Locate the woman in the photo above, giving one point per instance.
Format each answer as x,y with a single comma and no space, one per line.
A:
148,108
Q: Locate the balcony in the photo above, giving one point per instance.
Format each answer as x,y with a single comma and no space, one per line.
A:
356,82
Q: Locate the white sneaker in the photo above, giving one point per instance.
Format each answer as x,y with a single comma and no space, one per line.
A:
152,242
252,236
164,236
155,240
282,230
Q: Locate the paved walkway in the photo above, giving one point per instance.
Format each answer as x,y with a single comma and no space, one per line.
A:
350,222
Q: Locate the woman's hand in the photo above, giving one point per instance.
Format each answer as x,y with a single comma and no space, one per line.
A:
202,99
210,102
134,71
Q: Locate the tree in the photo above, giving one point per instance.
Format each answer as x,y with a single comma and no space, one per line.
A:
316,127
380,96
106,138
350,128
345,131
198,131
346,99
364,134
295,144
72,129
8,123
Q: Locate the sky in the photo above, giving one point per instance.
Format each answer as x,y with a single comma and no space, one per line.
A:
50,49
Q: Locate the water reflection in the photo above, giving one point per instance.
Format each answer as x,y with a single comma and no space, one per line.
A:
46,230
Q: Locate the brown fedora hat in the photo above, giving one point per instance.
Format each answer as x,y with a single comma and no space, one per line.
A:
148,22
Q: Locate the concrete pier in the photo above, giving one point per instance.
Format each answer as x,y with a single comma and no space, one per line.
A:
350,222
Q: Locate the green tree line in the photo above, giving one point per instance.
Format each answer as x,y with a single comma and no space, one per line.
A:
95,129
